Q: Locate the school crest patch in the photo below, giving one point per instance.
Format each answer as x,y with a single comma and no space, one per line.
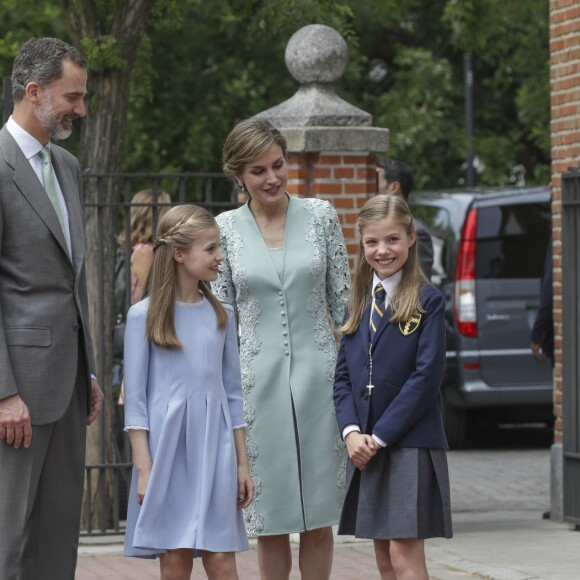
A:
411,325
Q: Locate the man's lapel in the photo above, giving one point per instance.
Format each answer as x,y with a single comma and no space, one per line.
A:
27,182
29,185
69,186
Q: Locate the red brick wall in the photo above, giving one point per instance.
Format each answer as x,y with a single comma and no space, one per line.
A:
347,180
565,129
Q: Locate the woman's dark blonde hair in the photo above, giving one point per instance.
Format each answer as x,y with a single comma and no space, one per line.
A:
247,141
141,216
405,300
179,228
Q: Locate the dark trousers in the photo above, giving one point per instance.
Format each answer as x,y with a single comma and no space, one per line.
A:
41,491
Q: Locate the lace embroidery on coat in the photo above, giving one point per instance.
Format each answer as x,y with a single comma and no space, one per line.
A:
232,286
330,270
340,448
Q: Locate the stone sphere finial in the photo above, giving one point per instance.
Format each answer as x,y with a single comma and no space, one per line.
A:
316,54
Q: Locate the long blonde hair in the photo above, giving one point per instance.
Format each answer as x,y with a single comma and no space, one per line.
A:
405,300
179,228
141,216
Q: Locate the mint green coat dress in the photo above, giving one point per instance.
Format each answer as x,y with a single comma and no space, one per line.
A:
286,300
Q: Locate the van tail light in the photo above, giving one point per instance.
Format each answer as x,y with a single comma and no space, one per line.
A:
464,308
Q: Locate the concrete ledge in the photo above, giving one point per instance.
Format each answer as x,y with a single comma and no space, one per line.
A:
326,139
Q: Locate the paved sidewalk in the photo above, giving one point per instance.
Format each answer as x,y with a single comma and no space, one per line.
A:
498,498
493,546
351,561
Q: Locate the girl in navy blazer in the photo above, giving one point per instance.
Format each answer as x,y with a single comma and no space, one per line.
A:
387,396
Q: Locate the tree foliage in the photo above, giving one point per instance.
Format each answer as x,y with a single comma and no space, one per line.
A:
202,66
224,61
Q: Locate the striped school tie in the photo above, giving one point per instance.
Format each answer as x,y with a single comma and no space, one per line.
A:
378,309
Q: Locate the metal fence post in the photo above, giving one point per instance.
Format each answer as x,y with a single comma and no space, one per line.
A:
571,343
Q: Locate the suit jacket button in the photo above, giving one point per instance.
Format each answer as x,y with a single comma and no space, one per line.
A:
76,326
365,395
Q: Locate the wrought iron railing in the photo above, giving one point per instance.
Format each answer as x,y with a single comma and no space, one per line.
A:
107,482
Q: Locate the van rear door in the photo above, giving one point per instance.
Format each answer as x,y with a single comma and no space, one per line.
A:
512,236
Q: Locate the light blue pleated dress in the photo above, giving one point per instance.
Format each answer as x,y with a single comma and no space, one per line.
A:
190,400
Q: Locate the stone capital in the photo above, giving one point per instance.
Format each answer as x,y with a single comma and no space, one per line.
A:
330,139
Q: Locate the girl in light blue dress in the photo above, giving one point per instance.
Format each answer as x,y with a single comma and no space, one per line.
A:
183,408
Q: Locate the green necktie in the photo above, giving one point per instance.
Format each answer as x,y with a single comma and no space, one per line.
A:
49,185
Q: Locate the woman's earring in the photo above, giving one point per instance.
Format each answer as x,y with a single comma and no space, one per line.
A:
241,185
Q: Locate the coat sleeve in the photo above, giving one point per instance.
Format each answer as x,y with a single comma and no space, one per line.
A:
136,367
83,291
231,372
337,268
7,381
223,287
419,392
344,403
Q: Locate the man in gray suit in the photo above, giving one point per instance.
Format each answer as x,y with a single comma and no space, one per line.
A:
48,390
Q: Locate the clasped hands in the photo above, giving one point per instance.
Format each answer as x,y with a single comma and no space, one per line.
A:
361,448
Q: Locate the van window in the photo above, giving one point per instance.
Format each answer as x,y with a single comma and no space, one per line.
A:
512,240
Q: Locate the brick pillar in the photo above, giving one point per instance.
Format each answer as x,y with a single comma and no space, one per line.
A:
565,130
331,143
344,179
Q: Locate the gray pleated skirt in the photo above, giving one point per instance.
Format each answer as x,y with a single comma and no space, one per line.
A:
402,493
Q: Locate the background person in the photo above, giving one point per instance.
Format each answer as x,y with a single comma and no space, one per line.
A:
47,397
542,337
285,269
396,178
142,234
141,227
184,408
394,338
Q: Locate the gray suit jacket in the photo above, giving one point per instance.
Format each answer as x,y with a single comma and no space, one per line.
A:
43,294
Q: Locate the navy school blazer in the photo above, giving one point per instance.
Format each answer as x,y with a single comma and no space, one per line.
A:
408,367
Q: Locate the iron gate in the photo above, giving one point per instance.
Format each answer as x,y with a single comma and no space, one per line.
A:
105,511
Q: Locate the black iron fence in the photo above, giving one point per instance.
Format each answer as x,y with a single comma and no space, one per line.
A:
107,479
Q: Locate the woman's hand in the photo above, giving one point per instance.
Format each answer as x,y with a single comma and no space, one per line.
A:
245,483
245,487
141,460
142,483
361,448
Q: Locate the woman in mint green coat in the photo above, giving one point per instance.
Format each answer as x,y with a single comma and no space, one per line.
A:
286,271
